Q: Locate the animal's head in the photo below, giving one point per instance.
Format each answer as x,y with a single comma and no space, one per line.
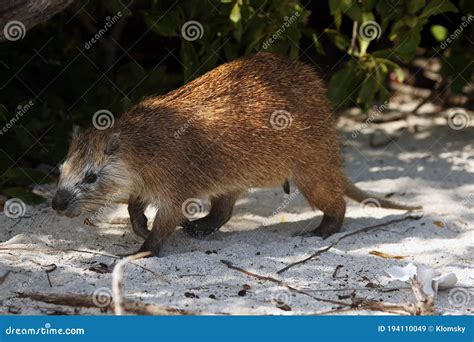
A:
93,174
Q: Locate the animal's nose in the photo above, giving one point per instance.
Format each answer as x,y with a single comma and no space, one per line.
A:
61,200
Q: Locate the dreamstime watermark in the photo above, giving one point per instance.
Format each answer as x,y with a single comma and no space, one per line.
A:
288,21
21,289
467,200
20,111
370,203
99,213
183,128
192,207
102,297
281,297
14,30
192,30
373,114
110,21
459,119
280,119
452,37
370,30
290,198
459,297
103,119
14,208
46,330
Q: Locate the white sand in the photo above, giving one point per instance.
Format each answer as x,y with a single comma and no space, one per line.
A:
434,168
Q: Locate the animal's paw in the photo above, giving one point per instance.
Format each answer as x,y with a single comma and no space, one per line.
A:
310,233
197,230
323,231
150,246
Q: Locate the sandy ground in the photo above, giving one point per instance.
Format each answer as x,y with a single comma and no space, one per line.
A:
434,167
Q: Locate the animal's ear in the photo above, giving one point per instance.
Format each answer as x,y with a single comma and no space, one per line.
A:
113,143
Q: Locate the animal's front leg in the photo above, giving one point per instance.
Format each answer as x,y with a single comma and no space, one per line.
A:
163,226
136,210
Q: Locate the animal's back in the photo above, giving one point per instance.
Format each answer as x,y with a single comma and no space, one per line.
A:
245,123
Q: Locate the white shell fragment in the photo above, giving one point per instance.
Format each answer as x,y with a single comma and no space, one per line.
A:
430,280
402,273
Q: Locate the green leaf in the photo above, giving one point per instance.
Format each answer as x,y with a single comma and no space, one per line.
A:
367,91
335,6
317,44
190,59
368,5
393,66
411,21
235,15
344,84
164,25
389,11
414,6
352,9
438,6
439,32
340,40
364,43
407,41
338,20
458,68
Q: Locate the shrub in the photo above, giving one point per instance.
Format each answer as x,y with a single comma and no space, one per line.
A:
104,55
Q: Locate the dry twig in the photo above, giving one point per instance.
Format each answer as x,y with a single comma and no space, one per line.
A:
117,289
362,230
424,305
85,301
281,283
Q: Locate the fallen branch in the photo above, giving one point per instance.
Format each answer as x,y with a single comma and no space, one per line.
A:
281,283
86,301
422,307
362,230
117,289
424,303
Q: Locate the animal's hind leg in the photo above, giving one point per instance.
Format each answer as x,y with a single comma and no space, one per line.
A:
136,210
220,213
326,194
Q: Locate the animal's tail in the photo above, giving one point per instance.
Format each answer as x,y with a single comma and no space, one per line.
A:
360,195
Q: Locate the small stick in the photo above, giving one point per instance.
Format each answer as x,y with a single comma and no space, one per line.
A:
424,303
117,289
336,270
357,303
85,301
49,280
362,230
281,283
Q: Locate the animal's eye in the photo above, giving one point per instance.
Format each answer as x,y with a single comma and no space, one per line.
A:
90,178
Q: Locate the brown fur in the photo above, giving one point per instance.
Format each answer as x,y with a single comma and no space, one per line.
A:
214,137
